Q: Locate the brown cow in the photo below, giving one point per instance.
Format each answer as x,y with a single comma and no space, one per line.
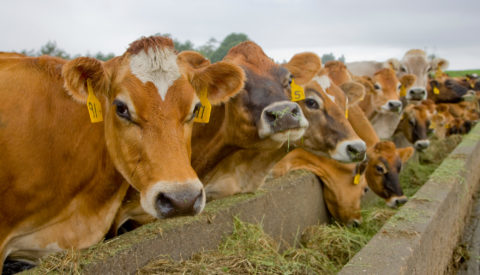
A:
413,127
71,175
254,123
386,184
341,193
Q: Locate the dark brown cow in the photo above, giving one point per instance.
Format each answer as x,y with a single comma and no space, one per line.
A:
244,131
446,91
69,174
413,127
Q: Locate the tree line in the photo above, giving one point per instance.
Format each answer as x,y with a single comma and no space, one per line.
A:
213,49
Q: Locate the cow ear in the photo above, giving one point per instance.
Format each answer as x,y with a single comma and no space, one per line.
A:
76,73
408,80
439,63
393,64
405,153
222,80
304,67
354,91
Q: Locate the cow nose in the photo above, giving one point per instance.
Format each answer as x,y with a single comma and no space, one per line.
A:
179,203
422,144
417,94
356,151
401,200
394,105
282,116
355,222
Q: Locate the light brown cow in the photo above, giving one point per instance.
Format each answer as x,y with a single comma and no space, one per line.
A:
413,127
381,155
70,175
341,193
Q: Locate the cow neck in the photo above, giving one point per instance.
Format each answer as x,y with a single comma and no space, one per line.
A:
362,126
208,142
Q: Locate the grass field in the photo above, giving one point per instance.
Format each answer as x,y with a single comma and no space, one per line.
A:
462,73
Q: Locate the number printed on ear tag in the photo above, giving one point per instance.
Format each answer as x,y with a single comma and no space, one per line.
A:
93,104
297,91
202,114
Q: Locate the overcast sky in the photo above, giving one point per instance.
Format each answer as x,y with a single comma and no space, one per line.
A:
361,30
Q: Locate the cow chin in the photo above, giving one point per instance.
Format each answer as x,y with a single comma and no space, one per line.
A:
289,135
169,199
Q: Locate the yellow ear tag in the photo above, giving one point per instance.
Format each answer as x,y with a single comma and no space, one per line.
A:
433,125
93,104
438,73
346,107
447,126
346,113
403,90
436,90
472,85
297,91
356,179
202,114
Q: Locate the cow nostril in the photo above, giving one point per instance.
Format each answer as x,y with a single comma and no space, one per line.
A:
295,111
165,205
270,116
356,151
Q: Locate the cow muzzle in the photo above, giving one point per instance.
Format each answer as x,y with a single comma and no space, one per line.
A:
417,94
393,106
421,144
282,121
350,151
169,199
396,201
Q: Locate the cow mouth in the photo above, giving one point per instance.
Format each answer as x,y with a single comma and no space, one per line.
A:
289,135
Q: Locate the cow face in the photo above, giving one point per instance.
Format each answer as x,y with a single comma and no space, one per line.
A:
329,131
342,193
262,115
383,168
415,62
149,101
414,125
448,90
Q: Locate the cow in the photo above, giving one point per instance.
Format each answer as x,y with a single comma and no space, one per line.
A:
413,127
382,104
446,91
69,164
343,184
384,183
413,62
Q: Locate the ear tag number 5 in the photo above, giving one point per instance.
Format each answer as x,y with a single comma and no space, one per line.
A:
93,104
202,114
297,91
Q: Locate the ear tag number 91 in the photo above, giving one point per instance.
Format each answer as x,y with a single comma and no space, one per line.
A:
297,91
202,114
93,104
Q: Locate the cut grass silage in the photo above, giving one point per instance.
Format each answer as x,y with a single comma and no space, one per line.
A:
323,249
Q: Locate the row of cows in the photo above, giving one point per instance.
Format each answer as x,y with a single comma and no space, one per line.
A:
89,145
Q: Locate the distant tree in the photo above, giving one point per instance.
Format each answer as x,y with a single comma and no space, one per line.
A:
330,56
103,57
186,46
52,49
432,56
230,41
208,49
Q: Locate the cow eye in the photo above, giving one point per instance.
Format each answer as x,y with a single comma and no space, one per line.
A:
122,109
403,69
311,103
377,86
195,110
399,86
379,169
429,69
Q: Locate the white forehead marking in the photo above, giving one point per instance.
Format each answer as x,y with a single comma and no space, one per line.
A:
323,81
158,66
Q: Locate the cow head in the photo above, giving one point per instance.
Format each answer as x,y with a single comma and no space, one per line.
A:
415,62
446,90
414,125
149,95
383,169
262,115
329,131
